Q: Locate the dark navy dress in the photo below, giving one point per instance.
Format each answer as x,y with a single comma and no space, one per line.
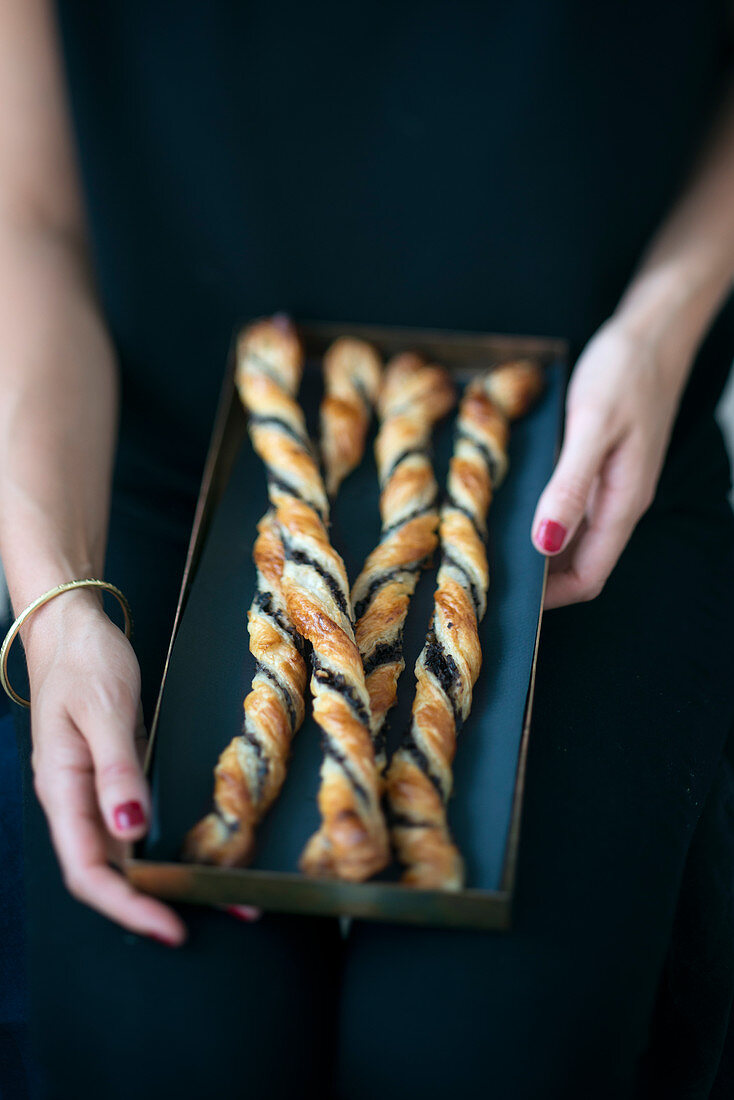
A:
469,165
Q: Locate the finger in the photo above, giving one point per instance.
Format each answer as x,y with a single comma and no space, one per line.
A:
122,791
77,831
141,738
585,569
564,500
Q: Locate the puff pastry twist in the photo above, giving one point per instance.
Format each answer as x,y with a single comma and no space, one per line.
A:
251,769
352,842
352,377
419,778
414,397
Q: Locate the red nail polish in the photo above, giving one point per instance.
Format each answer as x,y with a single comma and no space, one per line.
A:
550,535
129,815
162,939
242,912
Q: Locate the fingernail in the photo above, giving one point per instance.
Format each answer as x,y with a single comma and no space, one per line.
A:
242,912
550,535
129,815
162,939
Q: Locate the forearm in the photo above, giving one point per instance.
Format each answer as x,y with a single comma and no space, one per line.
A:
58,409
627,383
688,270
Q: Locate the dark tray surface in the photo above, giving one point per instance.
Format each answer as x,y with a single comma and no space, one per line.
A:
211,668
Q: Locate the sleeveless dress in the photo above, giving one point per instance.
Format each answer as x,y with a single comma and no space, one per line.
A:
469,165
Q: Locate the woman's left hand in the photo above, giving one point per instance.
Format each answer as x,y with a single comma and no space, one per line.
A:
620,408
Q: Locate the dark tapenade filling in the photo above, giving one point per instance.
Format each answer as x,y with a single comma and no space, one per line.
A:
415,514
384,653
264,601
443,666
409,452
417,754
332,750
301,558
490,460
263,764
449,559
452,502
261,421
384,578
337,682
282,688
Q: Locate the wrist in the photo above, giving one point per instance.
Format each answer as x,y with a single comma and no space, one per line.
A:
667,310
655,309
57,622
661,343
39,560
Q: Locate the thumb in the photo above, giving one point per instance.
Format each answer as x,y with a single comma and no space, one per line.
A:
122,791
562,504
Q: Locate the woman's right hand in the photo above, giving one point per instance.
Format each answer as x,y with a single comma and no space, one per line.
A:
87,740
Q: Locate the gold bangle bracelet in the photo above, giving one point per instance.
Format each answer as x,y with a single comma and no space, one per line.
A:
67,586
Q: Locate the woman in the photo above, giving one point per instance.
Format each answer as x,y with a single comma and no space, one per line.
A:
509,168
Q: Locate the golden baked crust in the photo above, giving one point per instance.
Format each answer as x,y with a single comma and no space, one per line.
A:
251,769
419,778
352,842
414,397
352,375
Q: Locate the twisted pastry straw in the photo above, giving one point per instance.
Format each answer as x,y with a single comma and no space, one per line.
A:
419,778
352,842
251,769
414,397
352,374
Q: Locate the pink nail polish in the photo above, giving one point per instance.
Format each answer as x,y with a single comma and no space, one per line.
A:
242,912
550,535
129,815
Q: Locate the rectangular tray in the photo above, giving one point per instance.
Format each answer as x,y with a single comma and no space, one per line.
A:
209,668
